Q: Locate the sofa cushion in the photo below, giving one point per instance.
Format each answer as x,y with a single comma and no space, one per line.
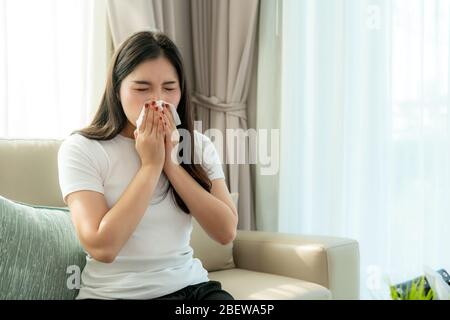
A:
23,180
41,256
212,254
251,285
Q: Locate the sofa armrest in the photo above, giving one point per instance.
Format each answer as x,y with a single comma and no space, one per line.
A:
329,261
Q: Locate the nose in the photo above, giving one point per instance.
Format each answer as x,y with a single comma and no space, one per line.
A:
155,97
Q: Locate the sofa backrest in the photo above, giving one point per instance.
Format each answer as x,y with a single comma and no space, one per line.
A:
29,171
29,174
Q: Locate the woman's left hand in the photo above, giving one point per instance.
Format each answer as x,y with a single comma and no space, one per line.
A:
171,137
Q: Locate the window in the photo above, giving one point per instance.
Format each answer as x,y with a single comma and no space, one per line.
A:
52,63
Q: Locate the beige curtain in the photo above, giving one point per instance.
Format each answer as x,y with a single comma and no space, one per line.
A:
100,53
223,35
126,17
170,16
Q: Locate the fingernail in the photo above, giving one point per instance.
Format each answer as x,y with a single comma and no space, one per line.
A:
153,103
146,105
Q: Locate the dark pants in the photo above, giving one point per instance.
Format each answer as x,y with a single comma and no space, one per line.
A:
211,290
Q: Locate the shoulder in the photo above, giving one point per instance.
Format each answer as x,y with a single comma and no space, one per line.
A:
78,146
77,140
203,143
206,150
200,137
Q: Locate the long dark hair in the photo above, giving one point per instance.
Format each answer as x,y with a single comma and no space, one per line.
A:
110,118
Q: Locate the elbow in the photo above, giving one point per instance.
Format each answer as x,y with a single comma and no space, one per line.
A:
102,253
103,256
228,238
98,248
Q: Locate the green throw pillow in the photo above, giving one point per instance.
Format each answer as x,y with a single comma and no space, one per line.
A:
41,257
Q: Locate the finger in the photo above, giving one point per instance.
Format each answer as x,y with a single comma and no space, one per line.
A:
171,131
156,129
169,114
170,124
144,120
166,129
156,119
160,129
166,124
165,119
151,117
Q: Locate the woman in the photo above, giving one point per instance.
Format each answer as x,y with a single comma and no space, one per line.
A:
131,204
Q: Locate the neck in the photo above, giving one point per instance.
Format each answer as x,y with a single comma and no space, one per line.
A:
128,131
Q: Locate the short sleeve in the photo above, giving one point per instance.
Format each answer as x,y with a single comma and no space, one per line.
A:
78,166
210,160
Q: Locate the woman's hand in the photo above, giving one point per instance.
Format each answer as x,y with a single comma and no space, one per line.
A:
150,138
171,138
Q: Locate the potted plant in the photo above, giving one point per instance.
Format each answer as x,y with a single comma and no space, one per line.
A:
417,289
434,285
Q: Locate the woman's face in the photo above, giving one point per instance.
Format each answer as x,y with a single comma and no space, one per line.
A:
154,79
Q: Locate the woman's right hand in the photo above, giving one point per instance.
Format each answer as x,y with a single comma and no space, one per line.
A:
150,138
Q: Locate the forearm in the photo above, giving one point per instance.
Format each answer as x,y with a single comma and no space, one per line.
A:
215,217
122,219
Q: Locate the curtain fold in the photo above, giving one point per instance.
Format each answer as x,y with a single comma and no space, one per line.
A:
224,34
268,97
128,17
99,56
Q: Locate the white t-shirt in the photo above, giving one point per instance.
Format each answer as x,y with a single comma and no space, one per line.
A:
157,259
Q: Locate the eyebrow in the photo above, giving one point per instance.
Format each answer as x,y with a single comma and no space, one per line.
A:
148,83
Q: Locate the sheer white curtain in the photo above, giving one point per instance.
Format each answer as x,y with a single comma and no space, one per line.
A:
53,60
365,129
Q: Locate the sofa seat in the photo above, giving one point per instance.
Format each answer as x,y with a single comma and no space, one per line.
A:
250,285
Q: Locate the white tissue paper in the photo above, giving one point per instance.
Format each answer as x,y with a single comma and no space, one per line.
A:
160,103
440,288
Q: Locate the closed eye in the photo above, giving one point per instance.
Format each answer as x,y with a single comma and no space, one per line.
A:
168,89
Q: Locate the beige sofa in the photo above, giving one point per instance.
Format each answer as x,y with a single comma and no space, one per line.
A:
257,265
